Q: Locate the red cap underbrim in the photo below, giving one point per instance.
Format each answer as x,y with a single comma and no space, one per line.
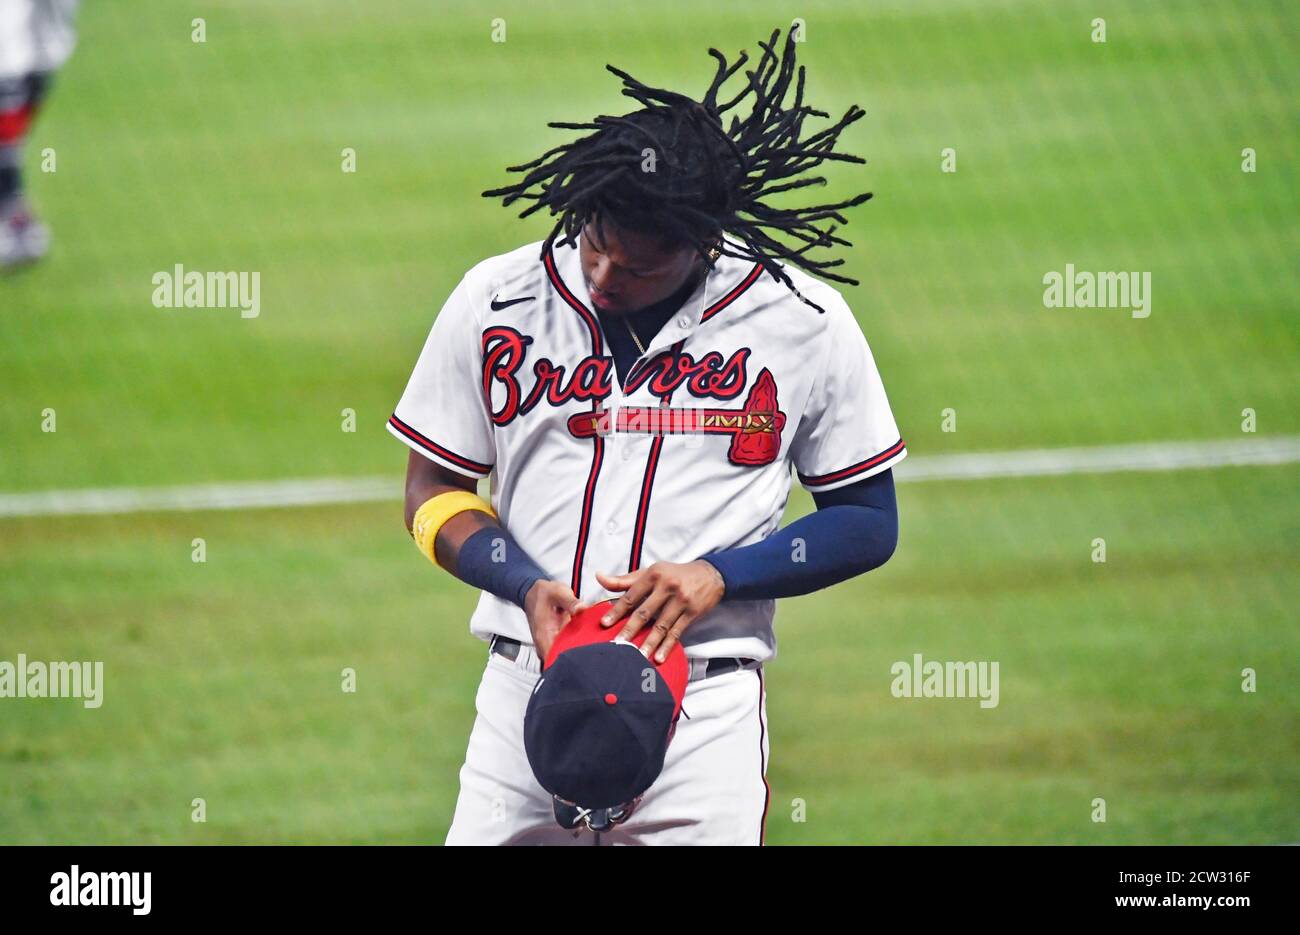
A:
584,629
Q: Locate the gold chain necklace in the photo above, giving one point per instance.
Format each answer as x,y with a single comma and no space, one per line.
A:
636,339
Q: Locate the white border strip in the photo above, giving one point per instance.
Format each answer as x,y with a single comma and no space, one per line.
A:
1160,456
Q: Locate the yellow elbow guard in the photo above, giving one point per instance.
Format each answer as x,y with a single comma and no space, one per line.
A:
435,511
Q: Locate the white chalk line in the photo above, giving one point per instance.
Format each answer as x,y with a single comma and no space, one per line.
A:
1154,456
1157,456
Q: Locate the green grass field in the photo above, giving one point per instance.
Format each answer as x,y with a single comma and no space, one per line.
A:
1119,680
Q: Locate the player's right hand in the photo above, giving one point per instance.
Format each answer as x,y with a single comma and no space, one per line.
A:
549,606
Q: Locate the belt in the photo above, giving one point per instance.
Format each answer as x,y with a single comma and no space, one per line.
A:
700,668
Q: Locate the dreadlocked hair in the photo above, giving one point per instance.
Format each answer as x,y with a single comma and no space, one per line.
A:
672,169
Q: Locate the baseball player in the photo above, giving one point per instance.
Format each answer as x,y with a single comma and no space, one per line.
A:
36,38
639,387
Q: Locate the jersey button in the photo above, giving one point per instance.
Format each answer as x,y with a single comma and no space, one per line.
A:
611,527
683,322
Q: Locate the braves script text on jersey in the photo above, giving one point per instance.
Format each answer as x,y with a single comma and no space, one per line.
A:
692,455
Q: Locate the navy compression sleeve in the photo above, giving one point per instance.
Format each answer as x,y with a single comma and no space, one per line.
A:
491,560
853,530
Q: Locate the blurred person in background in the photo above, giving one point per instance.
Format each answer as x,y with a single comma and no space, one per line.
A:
36,38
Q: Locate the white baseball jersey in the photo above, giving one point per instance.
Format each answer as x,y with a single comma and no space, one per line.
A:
692,455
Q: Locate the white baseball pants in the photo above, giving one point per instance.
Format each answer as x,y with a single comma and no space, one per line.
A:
35,35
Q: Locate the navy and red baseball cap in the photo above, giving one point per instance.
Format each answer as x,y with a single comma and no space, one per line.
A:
600,718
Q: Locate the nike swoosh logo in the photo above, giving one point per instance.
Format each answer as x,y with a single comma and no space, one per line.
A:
497,306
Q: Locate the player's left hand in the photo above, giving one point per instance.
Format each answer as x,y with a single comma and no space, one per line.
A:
670,595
